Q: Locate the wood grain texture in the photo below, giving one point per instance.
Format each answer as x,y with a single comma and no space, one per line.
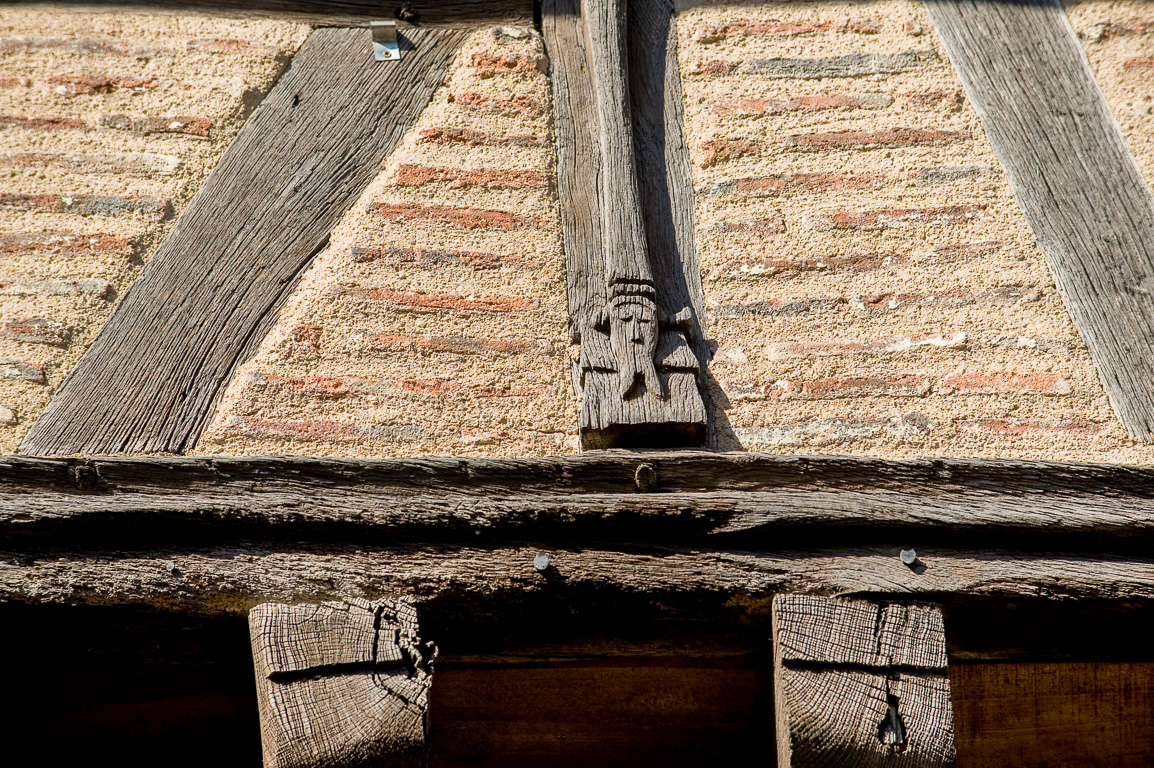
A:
1073,176
341,683
860,684
627,211
151,379
322,12
235,577
651,498
1076,715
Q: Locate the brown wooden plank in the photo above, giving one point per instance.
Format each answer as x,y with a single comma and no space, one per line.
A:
1079,187
1076,715
341,684
860,684
320,12
151,379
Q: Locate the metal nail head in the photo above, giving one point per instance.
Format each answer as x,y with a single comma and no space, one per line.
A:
909,557
170,566
541,562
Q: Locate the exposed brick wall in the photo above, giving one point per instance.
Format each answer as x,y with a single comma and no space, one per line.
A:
872,287
108,124
435,322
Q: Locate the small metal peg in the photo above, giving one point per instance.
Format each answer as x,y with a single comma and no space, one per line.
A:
385,45
909,557
645,477
541,562
170,567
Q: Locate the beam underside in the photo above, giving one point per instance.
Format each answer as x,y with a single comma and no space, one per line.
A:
1074,178
151,379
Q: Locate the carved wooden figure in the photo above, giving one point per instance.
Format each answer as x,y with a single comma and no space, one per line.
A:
638,374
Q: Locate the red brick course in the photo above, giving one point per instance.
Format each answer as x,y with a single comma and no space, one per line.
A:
86,287
327,430
894,137
720,150
1020,428
425,301
517,105
831,388
892,218
770,225
87,205
91,85
129,163
860,263
23,370
776,28
882,346
64,243
308,336
1005,383
41,123
489,65
803,104
781,184
418,175
471,138
181,124
462,218
458,345
427,258
343,386
36,330
947,101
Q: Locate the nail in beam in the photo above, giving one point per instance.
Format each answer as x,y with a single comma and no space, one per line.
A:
860,684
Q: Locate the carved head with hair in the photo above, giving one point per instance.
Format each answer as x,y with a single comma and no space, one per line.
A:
633,334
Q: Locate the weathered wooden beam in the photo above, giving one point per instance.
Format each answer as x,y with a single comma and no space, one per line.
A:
627,222
151,379
320,12
341,684
612,497
1079,187
233,578
860,684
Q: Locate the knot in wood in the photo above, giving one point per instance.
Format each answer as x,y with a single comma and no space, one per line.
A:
645,477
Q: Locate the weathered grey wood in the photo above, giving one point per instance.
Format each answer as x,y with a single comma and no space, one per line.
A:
151,379
1079,187
860,684
626,209
612,496
320,12
341,683
234,578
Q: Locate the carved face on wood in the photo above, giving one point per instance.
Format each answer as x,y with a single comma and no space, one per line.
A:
633,334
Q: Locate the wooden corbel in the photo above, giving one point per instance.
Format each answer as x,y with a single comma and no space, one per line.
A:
341,684
634,286
861,684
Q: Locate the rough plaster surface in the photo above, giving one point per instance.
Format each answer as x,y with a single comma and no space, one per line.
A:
100,105
895,334
457,345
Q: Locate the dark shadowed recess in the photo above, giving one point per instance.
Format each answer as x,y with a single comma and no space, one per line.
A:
545,683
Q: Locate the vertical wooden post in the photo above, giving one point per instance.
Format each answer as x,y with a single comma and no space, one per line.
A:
860,684
341,684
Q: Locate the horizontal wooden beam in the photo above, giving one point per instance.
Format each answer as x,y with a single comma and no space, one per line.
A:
617,497
234,578
321,12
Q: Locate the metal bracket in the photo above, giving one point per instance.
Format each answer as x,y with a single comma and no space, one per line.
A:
385,46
